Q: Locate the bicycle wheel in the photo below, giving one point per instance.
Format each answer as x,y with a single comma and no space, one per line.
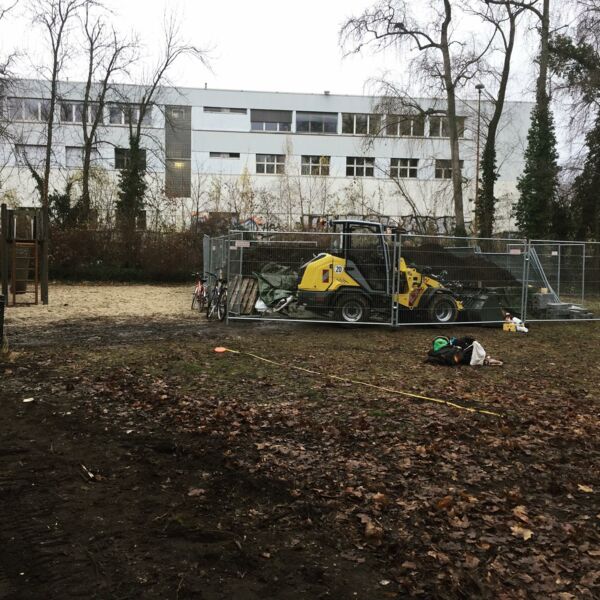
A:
195,302
222,306
201,300
211,305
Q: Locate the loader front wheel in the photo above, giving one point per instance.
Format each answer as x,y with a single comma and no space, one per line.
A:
443,309
351,308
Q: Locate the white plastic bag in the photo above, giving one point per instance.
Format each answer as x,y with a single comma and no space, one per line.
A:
478,356
260,306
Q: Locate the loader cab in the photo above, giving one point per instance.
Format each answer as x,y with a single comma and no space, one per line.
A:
363,245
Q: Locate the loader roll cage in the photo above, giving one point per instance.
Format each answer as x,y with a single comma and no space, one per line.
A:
364,245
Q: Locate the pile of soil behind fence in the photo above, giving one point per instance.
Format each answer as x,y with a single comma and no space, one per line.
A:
291,251
104,255
466,266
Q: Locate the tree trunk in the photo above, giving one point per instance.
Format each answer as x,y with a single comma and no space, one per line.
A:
457,194
486,200
46,180
85,203
541,90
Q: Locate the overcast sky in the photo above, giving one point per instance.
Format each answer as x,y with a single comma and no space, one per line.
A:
275,45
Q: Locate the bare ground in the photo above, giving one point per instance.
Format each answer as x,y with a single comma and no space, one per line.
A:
149,466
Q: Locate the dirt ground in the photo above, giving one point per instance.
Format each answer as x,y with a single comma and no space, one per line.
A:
135,462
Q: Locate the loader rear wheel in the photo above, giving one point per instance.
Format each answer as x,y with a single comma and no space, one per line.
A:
351,308
443,309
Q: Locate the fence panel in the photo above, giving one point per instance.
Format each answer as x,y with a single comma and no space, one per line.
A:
591,278
563,280
443,280
215,257
400,279
310,277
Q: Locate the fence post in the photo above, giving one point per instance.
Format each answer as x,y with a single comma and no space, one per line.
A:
558,272
4,250
583,277
228,275
524,295
1,323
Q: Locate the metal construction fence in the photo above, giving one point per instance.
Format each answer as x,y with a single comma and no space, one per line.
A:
215,255
364,273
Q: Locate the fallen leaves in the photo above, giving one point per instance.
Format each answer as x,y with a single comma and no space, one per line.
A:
373,531
444,502
521,532
471,561
428,497
521,513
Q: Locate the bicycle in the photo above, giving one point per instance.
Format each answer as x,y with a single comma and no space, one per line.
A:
200,293
217,303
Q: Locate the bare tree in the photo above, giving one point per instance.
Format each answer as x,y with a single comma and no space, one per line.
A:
503,17
5,61
444,61
55,18
139,112
6,80
107,54
574,56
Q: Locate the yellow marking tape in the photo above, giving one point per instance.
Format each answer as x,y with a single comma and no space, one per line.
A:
365,383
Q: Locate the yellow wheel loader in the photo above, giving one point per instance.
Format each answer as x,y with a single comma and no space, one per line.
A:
357,278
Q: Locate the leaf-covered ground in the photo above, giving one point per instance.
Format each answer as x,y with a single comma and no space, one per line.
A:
147,465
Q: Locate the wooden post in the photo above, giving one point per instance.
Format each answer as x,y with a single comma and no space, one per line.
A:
4,251
13,276
36,271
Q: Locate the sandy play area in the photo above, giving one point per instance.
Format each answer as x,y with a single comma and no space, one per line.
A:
92,301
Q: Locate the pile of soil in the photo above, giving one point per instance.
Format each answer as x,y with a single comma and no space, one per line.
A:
470,270
291,252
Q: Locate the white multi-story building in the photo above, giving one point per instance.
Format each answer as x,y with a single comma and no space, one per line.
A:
264,155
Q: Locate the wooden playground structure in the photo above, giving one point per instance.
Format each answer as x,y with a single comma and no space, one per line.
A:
22,237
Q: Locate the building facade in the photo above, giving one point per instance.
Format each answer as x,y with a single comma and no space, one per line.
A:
273,158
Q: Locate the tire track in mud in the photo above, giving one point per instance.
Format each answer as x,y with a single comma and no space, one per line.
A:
35,551
39,556
81,333
108,332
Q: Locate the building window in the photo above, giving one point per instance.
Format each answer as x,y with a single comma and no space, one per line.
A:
225,109
405,125
438,127
443,169
224,154
404,168
177,114
74,156
178,178
270,126
30,154
361,124
126,114
270,163
270,120
28,109
315,165
358,166
315,122
72,112
123,158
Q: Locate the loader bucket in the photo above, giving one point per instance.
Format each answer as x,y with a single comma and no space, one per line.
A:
481,306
